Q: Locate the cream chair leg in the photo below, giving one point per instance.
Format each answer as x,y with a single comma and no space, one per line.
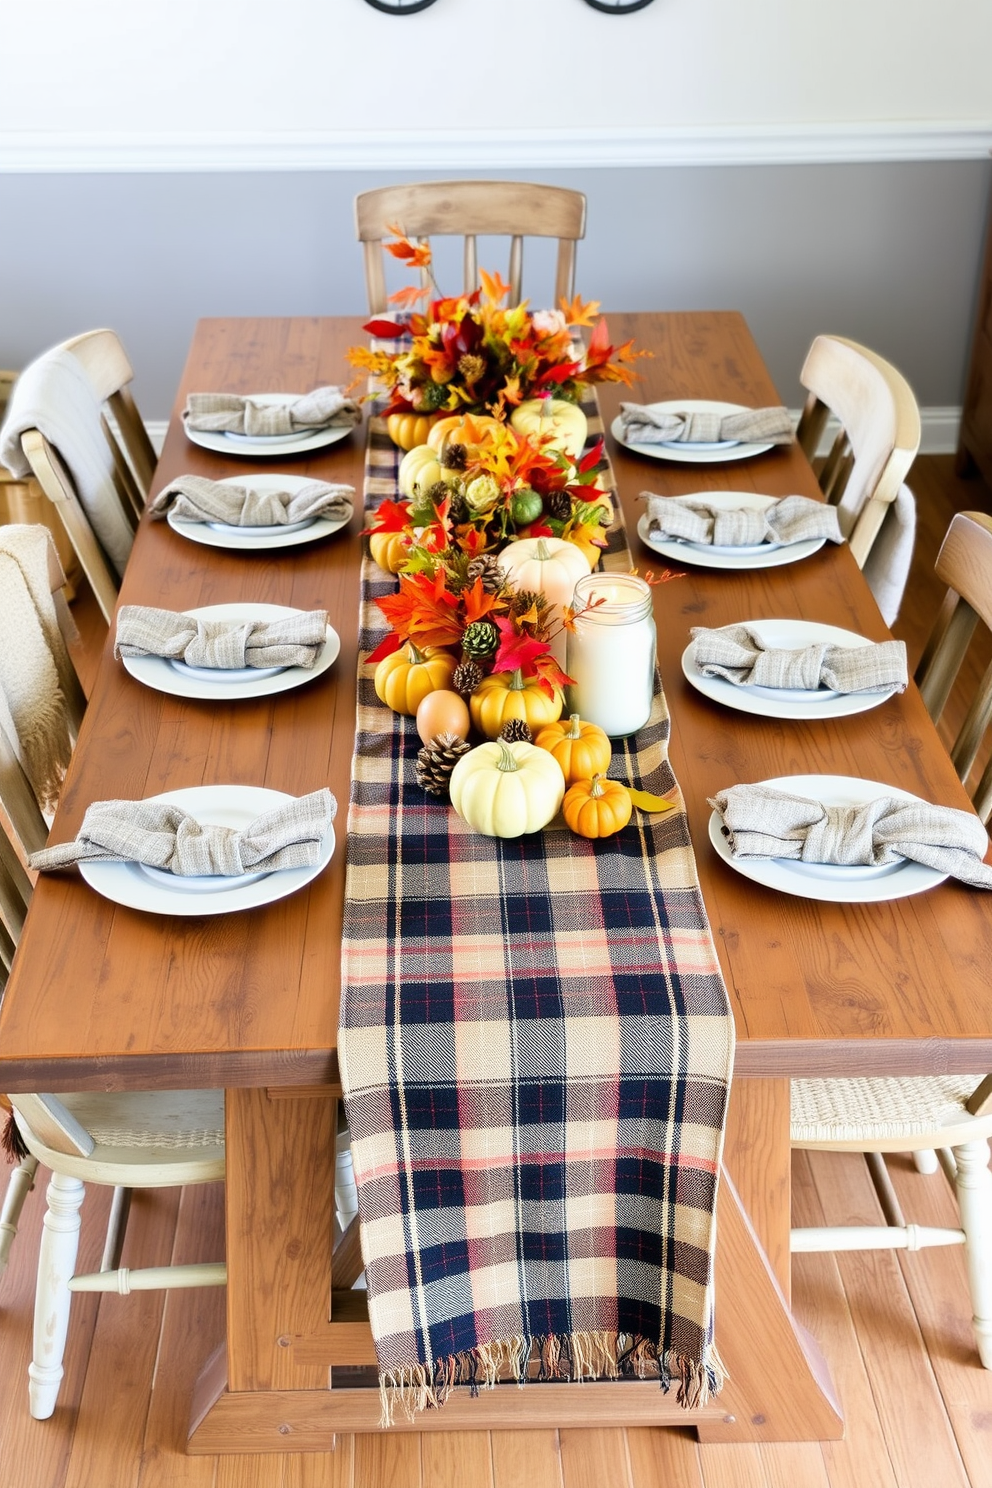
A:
56,1263
925,1161
19,1186
974,1187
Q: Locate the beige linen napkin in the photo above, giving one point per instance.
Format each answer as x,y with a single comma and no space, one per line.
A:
290,640
165,836
760,822
737,654
693,519
224,413
193,498
645,425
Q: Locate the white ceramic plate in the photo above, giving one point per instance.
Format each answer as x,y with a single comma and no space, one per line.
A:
831,882
260,447
704,555
692,454
215,686
216,535
137,887
773,702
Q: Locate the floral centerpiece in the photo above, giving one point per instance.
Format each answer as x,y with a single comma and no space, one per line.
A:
472,354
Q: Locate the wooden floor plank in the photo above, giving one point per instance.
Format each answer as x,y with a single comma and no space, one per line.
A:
920,1441
594,1459
732,1465
819,1298
937,1283
110,1434
453,1459
531,1458
388,1461
192,1313
669,1457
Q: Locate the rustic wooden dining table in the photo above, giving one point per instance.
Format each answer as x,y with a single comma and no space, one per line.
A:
105,997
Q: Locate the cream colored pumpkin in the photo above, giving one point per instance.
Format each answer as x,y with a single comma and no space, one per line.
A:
564,421
504,790
549,566
419,470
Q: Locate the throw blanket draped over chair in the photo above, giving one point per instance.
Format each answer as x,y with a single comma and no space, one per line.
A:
535,1051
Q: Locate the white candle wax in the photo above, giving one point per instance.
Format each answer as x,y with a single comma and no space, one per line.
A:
611,653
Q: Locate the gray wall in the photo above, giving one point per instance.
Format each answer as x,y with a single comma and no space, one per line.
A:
887,254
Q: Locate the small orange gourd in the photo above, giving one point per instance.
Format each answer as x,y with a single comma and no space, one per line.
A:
405,677
582,749
597,807
503,696
409,429
390,549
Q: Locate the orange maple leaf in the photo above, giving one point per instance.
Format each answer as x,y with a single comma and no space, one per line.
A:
409,295
417,255
580,312
493,286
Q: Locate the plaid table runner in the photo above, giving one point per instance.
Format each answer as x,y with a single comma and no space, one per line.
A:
535,1050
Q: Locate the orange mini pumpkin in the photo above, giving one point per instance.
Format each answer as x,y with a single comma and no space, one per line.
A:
503,696
405,677
409,429
597,807
582,749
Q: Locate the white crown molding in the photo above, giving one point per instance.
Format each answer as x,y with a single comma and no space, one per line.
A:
940,431
495,149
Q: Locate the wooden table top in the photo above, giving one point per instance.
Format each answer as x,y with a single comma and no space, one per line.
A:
105,997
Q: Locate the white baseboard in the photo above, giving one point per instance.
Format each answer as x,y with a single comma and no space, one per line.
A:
940,431
470,150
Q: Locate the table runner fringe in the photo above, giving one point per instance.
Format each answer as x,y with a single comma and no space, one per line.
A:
570,1357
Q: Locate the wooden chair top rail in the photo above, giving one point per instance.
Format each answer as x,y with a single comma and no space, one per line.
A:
101,996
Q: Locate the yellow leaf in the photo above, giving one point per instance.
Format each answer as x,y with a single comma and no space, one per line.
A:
647,802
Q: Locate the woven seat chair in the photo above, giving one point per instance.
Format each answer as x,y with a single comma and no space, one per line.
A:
116,451
944,1121
474,209
865,471
126,1140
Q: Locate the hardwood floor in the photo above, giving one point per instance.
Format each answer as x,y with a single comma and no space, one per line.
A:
895,1329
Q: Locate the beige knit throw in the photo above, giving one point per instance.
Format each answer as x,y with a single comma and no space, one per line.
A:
34,664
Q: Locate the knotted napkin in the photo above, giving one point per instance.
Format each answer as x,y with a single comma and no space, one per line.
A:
693,519
737,654
224,413
164,836
290,640
760,822
193,498
646,425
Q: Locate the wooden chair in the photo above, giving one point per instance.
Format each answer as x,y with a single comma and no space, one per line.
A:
944,1121
878,439
475,209
108,370
127,1140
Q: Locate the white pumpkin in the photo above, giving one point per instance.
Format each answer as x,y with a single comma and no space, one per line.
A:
504,790
419,470
549,566
564,421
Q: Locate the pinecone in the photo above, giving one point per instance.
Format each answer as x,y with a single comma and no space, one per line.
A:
466,678
437,760
486,567
480,640
437,493
516,729
558,505
527,599
455,457
458,511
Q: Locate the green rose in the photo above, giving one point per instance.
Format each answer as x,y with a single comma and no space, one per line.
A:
482,495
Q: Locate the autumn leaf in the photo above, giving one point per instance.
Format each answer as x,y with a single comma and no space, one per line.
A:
390,516
423,610
417,255
409,295
385,330
579,313
477,603
493,286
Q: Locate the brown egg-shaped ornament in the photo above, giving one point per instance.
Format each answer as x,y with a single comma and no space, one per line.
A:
442,712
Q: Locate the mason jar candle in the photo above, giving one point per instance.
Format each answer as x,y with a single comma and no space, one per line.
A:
611,652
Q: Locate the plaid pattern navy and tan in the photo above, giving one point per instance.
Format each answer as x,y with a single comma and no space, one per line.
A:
535,1049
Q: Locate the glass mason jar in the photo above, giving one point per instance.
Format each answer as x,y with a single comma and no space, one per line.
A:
612,652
